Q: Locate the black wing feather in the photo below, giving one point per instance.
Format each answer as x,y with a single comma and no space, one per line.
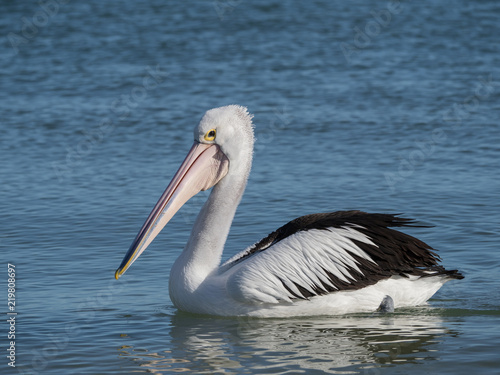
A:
395,253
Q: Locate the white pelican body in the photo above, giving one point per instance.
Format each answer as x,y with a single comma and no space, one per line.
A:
320,264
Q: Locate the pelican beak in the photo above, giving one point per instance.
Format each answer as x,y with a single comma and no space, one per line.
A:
204,166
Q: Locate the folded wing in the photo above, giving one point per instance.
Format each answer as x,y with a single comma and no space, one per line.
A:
325,253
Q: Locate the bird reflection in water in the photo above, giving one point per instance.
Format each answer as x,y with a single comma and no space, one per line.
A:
366,342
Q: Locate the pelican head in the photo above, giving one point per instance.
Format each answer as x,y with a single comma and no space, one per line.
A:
223,145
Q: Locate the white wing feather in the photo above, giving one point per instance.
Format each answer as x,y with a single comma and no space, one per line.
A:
298,260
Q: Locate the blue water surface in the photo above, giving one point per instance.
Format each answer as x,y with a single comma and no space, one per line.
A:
385,107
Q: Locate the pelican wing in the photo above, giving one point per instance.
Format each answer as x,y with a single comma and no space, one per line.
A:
324,253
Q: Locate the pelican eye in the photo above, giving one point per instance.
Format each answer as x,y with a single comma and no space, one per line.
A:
210,135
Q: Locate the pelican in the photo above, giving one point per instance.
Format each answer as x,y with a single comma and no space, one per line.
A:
319,264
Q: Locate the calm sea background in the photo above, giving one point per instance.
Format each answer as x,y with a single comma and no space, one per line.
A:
379,106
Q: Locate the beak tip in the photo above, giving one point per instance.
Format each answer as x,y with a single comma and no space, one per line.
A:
118,273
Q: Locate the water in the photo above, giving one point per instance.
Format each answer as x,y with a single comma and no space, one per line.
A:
357,106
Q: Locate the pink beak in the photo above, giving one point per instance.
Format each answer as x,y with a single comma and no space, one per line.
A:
204,166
